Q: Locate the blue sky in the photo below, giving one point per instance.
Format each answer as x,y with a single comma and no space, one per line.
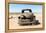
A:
18,8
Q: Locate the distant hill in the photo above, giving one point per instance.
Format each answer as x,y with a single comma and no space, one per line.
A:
14,13
21,13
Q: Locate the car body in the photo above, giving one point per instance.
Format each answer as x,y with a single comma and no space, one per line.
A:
27,18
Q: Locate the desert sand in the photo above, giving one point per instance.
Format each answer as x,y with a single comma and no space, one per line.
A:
13,22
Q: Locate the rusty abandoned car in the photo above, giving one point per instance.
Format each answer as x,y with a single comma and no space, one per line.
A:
27,18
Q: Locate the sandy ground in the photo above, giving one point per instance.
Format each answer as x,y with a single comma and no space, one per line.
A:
13,22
